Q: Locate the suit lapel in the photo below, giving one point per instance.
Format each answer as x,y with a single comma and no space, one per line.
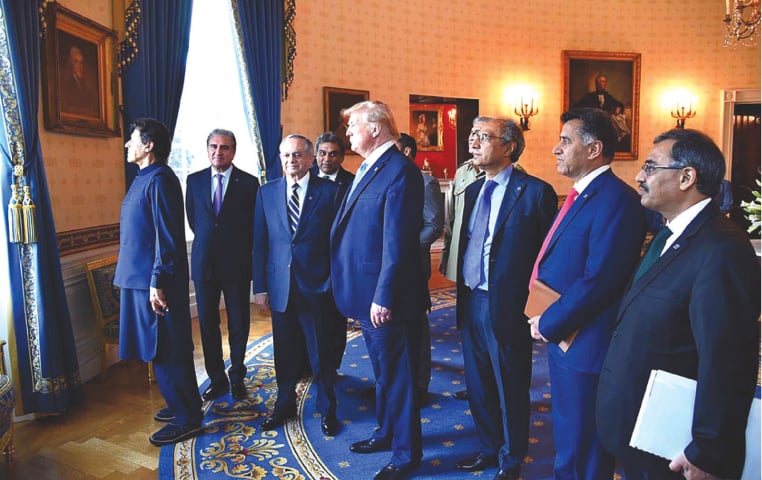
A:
673,252
278,200
351,199
469,202
513,191
310,200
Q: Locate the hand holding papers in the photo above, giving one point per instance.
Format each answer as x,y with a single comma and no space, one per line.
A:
663,426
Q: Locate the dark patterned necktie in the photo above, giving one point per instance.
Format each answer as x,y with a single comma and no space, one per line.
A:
473,259
653,253
293,208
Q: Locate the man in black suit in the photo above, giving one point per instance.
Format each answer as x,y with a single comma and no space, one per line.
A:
506,215
330,155
330,150
433,224
219,202
691,309
292,225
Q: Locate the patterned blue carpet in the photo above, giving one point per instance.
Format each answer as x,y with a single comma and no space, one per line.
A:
233,446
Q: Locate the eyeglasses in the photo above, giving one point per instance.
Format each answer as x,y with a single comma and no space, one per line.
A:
483,137
649,168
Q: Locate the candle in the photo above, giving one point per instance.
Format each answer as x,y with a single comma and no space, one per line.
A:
727,8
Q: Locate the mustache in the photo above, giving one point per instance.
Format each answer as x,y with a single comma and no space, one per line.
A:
643,186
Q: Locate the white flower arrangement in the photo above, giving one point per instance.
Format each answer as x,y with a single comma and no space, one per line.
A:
753,209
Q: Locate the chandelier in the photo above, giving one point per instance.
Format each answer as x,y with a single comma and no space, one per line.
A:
741,22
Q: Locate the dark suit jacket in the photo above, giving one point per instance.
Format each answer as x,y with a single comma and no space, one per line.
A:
589,261
375,255
525,216
222,244
344,180
433,220
693,313
305,258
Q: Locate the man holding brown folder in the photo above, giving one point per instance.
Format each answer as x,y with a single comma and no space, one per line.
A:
505,217
586,259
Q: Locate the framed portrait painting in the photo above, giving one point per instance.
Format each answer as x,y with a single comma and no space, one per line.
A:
79,78
426,127
609,81
335,101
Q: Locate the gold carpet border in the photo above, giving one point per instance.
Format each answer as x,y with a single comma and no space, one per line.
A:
184,453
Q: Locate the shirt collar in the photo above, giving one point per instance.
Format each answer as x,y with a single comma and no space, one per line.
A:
376,154
583,182
678,224
302,183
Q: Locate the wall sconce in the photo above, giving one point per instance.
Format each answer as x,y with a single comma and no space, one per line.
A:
525,108
682,110
452,115
742,22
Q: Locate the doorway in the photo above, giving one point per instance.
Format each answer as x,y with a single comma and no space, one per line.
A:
742,146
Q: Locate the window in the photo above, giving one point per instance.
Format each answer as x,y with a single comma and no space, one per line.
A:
212,93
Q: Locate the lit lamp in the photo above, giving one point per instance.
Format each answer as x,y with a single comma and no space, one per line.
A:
452,115
742,18
525,108
681,112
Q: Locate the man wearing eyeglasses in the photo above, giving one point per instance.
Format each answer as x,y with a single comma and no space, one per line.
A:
587,257
506,214
691,309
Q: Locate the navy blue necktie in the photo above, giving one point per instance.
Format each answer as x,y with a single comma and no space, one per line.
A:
654,252
473,259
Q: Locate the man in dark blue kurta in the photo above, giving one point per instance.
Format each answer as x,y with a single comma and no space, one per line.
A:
152,272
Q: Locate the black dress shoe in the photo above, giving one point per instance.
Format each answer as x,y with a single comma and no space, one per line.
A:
478,462
330,425
173,433
277,419
370,445
512,474
238,390
393,472
164,415
461,395
214,391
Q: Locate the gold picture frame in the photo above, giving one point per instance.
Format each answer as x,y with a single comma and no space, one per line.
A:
426,127
79,78
621,71
335,101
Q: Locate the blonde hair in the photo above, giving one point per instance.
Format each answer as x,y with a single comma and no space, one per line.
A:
373,111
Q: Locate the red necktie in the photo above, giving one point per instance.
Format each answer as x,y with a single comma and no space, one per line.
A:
561,214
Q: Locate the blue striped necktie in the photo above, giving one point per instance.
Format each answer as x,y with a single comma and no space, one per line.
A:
293,208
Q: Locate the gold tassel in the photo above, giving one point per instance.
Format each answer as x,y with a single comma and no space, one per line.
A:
30,218
15,225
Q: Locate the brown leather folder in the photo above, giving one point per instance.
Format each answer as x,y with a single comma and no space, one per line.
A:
541,296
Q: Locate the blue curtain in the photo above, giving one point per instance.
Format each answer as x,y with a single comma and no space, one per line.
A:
152,80
48,372
262,39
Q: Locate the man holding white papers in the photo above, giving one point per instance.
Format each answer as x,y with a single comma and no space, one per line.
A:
691,309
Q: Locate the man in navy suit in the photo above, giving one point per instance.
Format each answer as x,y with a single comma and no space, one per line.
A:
330,155
433,224
292,225
152,272
494,265
692,309
223,225
377,279
587,257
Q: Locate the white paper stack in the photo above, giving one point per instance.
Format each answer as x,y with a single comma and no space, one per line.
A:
664,422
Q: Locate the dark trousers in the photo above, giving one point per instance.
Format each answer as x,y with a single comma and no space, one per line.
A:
304,325
644,466
579,454
237,307
498,378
